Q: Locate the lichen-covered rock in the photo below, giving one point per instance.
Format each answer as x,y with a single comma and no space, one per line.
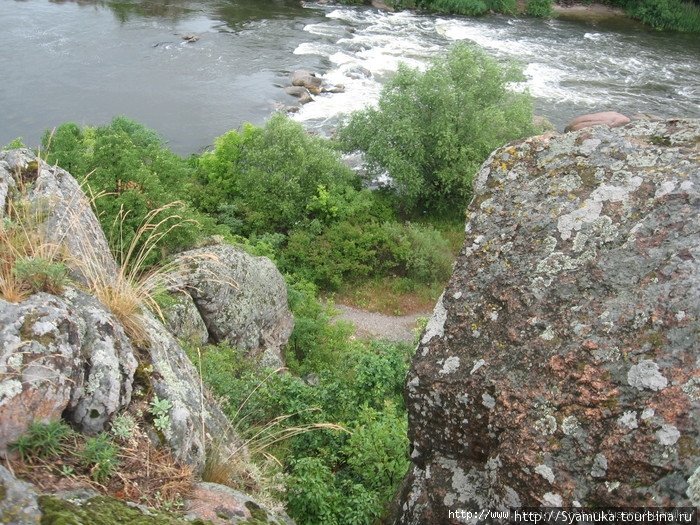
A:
18,501
223,506
107,364
39,356
195,423
561,364
242,299
61,354
70,220
183,320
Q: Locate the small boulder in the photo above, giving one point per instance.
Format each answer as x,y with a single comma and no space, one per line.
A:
308,80
242,299
223,505
611,119
299,92
338,88
61,356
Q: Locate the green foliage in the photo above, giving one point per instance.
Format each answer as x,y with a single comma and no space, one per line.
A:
40,274
43,440
539,8
130,172
15,143
123,427
666,14
333,477
160,410
99,456
431,131
460,7
262,180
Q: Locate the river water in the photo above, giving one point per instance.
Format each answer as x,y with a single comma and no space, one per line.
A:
88,60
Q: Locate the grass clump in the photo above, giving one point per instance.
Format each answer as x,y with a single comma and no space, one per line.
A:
99,456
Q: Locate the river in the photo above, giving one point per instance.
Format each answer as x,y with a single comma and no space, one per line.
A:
88,60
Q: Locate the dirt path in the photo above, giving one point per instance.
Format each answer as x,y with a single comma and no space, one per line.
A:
379,326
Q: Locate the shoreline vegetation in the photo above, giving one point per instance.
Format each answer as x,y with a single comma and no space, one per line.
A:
278,191
668,15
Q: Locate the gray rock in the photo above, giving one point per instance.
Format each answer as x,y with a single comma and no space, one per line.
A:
308,80
18,501
70,220
108,365
196,423
223,505
574,306
242,299
183,320
299,92
61,355
358,72
40,341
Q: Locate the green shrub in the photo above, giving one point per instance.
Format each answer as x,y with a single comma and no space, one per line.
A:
431,131
43,440
99,455
40,274
460,7
263,180
539,8
666,14
130,172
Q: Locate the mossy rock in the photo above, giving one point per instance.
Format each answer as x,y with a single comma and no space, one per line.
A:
102,510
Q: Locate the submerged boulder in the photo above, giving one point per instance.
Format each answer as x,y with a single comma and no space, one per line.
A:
560,367
242,299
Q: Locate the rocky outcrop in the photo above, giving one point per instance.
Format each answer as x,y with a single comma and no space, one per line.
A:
242,299
560,366
69,220
223,506
18,500
61,354
195,422
611,119
308,80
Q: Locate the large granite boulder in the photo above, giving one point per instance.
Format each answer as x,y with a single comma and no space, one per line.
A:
560,367
61,356
242,299
69,219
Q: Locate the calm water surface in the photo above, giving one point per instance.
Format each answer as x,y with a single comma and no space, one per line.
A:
89,60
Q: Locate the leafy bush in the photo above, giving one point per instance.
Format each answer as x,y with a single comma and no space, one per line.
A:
666,14
40,274
431,131
333,477
130,172
262,180
460,7
539,8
